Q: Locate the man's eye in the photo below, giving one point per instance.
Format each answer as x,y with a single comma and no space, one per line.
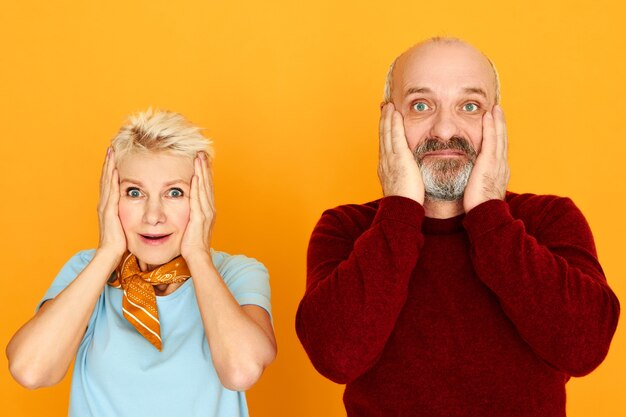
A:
133,192
175,192
470,107
420,106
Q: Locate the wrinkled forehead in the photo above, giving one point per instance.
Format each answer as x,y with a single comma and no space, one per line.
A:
155,165
444,68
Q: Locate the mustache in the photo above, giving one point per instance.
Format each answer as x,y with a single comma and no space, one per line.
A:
457,143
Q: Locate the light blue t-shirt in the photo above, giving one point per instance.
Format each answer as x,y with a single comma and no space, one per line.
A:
119,373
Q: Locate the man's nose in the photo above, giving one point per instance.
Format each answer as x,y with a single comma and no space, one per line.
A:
445,125
153,212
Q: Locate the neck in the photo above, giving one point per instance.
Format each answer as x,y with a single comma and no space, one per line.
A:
145,267
166,289
438,209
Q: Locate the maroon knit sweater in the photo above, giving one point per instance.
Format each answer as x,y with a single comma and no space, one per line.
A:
486,314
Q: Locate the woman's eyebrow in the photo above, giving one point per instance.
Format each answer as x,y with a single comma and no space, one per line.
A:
167,184
131,181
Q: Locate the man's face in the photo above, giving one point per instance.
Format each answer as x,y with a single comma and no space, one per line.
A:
442,91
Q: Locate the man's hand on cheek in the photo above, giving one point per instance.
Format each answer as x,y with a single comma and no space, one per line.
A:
490,175
397,170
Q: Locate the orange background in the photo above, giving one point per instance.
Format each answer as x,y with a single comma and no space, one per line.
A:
290,92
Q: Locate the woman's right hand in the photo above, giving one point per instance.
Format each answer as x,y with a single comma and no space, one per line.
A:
112,237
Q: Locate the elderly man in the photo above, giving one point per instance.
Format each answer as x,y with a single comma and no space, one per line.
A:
451,296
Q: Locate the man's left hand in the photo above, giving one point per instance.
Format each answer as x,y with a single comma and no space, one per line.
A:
490,175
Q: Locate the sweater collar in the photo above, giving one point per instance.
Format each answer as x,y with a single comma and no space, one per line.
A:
432,226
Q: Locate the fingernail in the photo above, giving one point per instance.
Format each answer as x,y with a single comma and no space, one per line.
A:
108,151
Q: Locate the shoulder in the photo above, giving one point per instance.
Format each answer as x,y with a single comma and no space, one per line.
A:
85,255
78,262
246,278
68,273
529,206
550,215
354,211
232,267
358,216
367,209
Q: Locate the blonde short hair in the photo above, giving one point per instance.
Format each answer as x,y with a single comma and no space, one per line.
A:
160,130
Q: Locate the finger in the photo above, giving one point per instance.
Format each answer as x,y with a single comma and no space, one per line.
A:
104,177
398,138
381,124
386,137
206,174
501,135
488,146
114,193
208,183
194,200
202,190
112,198
107,180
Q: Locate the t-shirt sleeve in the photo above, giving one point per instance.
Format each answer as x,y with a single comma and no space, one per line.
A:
246,278
67,274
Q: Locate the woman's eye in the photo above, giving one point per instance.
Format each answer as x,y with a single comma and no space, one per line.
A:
420,106
133,192
470,107
175,192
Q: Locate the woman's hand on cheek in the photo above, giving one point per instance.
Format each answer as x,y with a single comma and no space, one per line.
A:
197,236
112,237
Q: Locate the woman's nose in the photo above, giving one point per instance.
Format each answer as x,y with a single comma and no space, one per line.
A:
154,213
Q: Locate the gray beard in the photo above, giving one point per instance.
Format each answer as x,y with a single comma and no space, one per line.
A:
445,180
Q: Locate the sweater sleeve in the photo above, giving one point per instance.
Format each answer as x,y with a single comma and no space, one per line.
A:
549,283
357,283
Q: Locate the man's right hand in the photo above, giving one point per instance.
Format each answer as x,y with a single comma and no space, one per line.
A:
397,170
112,237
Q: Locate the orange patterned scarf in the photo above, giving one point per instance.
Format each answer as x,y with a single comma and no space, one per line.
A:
139,301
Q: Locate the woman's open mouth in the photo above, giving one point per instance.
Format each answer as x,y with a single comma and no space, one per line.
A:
153,239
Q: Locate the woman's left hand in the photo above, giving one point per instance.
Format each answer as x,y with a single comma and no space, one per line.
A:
197,236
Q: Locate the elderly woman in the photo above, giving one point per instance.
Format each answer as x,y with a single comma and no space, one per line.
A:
160,324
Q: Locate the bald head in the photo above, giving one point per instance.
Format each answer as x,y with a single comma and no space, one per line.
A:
446,57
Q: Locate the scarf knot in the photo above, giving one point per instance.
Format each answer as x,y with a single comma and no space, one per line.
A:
139,300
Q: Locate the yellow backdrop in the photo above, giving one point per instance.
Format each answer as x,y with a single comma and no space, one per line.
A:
290,92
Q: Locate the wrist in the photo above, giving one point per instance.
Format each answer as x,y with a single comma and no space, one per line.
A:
198,257
108,258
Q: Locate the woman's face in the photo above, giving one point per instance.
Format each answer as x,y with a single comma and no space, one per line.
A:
154,204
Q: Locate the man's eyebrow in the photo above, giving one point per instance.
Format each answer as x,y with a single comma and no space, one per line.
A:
417,90
426,90
476,90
